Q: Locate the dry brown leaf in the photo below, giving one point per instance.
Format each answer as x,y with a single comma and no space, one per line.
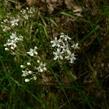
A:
54,4
30,2
69,3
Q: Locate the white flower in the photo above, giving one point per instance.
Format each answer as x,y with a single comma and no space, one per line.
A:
41,67
27,80
15,38
56,42
38,61
32,52
58,54
65,48
28,13
5,28
23,11
28,63
14,22
13,47
75,46
68,54
65,37
26,16
12,41
71,57
26,72
5,21
30,72
22,66
6,49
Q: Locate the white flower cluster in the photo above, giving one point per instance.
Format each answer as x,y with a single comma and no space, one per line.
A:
62,48
27,72
11,43
11,21
30,71
8,23
28,12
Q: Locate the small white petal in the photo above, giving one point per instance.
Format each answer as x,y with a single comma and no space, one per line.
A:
38,61
22,66
30,72
28,63
12,47
6,49
27,80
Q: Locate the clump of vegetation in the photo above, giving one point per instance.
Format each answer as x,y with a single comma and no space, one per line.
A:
54,56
